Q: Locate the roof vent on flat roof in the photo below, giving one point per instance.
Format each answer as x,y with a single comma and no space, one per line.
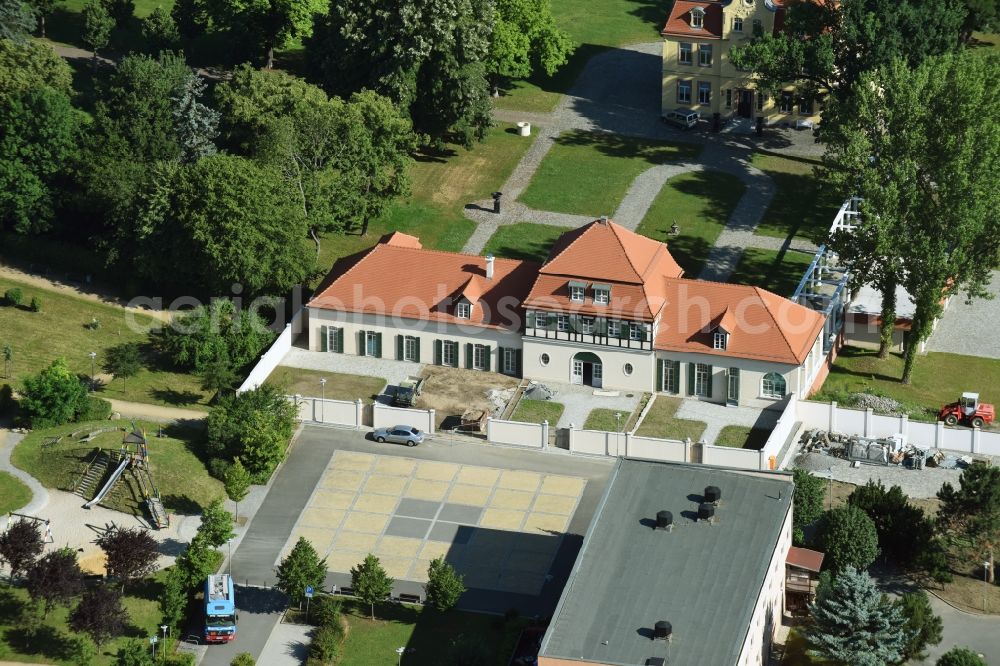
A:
664,520
706,511
656,661
662,631
713,494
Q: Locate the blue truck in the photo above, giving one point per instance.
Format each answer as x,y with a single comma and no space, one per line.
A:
220,609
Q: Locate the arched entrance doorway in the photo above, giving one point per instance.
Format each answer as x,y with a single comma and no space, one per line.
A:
587,369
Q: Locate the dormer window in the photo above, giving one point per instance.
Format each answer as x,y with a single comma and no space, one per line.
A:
720,340
602,294
463,310
577,291
697,18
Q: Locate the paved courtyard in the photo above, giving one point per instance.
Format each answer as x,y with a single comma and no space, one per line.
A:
501,528
969,329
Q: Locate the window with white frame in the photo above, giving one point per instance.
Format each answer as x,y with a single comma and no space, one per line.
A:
628,369
684,51
449,353
805,105
612,329
737,24
587,324
705,55
463,310
510,361
635,332
773,385
720,340
671,376
335,339
480,356
704,92
601,295
760,101
702,379
410,348
576,293
697,18
785,105
562,323
683,92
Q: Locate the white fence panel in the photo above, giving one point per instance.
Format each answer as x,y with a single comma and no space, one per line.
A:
957,439
725,456
272,357
518,433
782,430
657,449
589,441
384,417
886,426
850,421
814,414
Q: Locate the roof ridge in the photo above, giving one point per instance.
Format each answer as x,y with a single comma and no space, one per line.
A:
614,226
457,254
770,314
357,263
583,232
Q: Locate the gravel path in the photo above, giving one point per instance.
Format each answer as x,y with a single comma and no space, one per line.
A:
970,329
163,414
39,495
578,401
915,483
391,370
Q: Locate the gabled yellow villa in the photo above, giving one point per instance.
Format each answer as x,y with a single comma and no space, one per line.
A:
697,73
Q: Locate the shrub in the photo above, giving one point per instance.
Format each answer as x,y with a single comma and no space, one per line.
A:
326,611
243,659
93,324
36,304
13,296
256,426
94,409
326,642
52,397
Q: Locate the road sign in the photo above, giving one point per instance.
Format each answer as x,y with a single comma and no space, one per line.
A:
153,640
309,592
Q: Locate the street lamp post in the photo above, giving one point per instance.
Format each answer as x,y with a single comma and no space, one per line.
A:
322,405
830,483
230,542
986,583
93,368
618,430
163,650
399,652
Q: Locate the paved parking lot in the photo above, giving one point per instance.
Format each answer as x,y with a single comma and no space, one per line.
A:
500,528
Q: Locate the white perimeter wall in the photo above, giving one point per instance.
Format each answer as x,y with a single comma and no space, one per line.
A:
517,433
830,416
272,357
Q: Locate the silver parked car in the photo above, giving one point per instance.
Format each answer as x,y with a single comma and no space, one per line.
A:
400,434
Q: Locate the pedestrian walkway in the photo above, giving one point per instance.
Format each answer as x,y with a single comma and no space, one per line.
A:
39,495
719,416
288,645
159,413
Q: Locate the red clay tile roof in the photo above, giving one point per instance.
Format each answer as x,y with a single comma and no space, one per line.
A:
604,252
399,239
399,278
766,327
803,558
679,22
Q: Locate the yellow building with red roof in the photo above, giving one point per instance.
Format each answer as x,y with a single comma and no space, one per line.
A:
609,308
698,75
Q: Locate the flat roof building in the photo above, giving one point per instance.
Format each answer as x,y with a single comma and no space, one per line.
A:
712,571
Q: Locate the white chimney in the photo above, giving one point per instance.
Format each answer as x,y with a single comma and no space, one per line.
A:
489,267
604,219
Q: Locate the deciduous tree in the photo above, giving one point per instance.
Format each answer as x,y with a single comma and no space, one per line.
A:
370,581
807,502
213,333
197,561
29,65
53,396
300,569
216,524
160,31
444,585
855,624
97,26
100,614
255,426
174,596
237,483
123,361
526,40
20,545
134,653
270,24
972,511
42,9
55,579
848,538
130,553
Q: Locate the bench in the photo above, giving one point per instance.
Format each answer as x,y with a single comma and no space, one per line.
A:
346,591
409,598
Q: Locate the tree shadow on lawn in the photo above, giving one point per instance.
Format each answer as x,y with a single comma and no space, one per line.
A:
564,78
174,397
653,12
866,356
626,147
530,251
10,606
705,186
690,252
47,642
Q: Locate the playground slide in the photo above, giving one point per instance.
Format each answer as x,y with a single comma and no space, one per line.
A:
109,485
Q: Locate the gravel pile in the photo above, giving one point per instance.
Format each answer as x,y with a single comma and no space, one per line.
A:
499,399
877,403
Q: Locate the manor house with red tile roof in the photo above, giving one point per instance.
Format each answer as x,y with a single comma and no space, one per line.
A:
609,309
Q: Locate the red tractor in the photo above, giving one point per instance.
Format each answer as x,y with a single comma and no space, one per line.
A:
967,411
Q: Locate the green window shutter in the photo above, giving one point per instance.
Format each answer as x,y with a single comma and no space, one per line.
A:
709,381
468,355
324,337
437,352
574,323
623,330
454,357
361,343
378,345
529,319
518,360
500,365
399,347
340,340
551,321
416,350
690,369
601,326
659,374
676,385
486,356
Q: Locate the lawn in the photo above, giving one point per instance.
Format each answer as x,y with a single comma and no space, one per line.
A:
803,207
604,419
296,381
661,422
588,173
442,185
700,203
430,634
536,411
524,240
50,646
743,437
180,476
60,330
938,379
13,493
779,272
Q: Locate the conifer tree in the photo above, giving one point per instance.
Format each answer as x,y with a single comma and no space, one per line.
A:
196,125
